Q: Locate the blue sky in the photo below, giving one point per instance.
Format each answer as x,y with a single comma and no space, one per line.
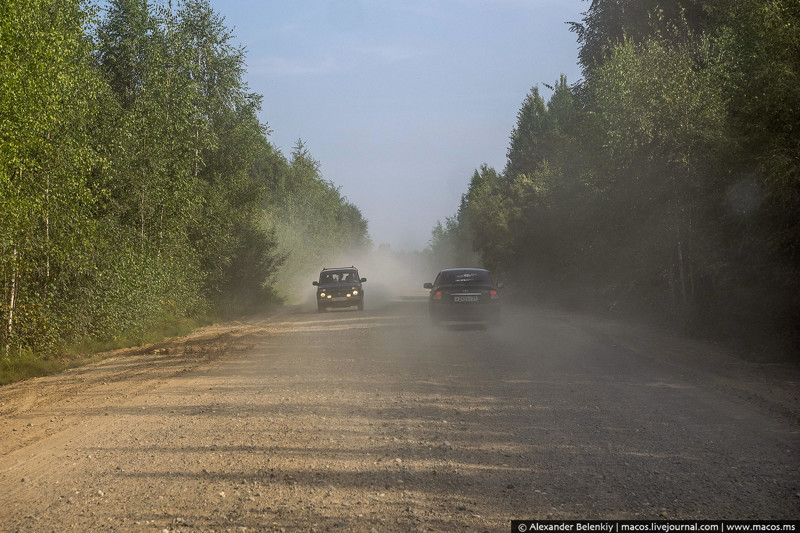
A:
401,100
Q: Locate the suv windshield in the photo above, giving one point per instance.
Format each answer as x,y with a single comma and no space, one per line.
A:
338,276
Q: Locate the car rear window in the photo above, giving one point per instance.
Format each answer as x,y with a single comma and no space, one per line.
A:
464,276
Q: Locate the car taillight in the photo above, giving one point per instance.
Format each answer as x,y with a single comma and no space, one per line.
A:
494,295
437,295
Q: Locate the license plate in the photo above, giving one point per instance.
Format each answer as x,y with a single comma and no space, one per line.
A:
465,298
339,299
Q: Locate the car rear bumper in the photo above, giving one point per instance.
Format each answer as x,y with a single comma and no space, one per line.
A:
464,312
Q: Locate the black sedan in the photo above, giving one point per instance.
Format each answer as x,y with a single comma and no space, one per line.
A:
468,294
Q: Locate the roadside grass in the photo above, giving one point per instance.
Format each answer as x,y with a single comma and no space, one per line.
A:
26,364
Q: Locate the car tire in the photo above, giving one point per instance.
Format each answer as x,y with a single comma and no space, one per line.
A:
360,306
320,308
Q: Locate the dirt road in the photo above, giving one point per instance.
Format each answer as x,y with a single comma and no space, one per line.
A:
376,421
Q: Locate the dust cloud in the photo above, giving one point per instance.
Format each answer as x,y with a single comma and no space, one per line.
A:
391,275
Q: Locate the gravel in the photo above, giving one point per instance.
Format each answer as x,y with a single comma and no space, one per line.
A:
378,421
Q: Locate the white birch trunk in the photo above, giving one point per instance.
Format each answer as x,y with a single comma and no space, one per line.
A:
12,304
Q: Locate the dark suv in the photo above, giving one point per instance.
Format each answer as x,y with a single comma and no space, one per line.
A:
339,287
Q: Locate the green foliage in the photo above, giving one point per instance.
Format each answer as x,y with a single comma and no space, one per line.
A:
450,245
526,149
47,96
26,365
759,49
313,223
668,181
609,22
138,189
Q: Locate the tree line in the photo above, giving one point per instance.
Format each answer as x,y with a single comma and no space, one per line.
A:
137,184
666,181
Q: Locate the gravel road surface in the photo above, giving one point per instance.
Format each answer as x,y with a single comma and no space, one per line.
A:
378,421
